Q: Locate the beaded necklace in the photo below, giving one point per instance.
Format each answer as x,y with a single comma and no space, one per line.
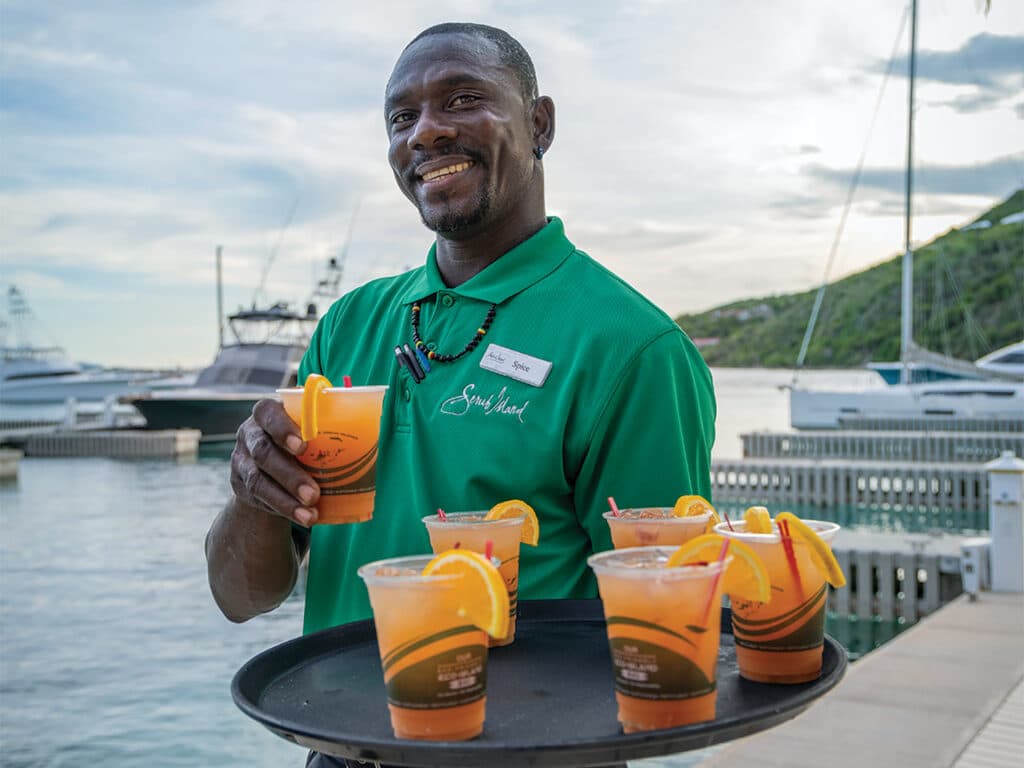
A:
439,358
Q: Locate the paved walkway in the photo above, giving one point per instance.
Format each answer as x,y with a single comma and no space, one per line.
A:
947,692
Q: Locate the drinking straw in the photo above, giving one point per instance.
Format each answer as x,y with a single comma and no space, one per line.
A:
456,545
443,517
615,509
346,381
727,520
488,549
787,545
714,585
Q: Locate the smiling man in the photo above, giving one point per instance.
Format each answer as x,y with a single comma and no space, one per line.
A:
547,377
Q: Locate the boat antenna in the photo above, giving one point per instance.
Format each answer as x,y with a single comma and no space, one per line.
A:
854,182
273,251
327,287
906,311
220,302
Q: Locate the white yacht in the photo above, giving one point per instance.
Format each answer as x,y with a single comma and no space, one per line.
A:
38,375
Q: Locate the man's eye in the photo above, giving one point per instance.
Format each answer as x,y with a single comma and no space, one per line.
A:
464,98
401,117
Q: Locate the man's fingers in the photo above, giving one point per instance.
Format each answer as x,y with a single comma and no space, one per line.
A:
267,477
272,418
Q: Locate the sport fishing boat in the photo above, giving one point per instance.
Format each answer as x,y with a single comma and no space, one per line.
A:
923,384
262,356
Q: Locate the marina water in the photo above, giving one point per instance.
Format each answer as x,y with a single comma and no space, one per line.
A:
112,651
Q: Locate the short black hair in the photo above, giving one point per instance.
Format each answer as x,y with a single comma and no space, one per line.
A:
512,53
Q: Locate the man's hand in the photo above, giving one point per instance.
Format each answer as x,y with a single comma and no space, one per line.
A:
264,472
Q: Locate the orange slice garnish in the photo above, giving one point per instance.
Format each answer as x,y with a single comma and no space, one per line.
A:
482,594
693,505
758,520
746,577
821,553
518,508
315,384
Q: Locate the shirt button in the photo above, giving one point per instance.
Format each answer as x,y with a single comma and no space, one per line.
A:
447,300
432,346
406,394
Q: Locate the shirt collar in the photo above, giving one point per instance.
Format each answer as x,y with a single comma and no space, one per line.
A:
516,270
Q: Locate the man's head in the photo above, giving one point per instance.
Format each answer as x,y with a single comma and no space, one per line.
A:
463,118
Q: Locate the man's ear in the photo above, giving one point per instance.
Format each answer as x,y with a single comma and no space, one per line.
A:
542,116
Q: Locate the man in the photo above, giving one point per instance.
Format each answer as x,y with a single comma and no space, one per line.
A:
551,381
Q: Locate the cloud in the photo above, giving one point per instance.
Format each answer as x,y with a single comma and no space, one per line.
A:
990,64
990,179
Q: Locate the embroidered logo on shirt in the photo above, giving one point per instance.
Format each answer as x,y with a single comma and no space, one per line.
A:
493,404
516,365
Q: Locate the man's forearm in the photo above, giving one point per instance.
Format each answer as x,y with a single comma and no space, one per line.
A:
252,561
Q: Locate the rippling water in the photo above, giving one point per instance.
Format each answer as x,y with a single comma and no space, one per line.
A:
112,652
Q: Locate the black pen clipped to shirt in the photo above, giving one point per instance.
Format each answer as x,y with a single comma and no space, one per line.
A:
414,370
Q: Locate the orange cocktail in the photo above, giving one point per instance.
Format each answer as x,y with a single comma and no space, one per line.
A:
782,641
663,632
654,526
342,456
470,530
434,659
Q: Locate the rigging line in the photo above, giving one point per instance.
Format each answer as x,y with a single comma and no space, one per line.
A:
973,327
854,182
273,252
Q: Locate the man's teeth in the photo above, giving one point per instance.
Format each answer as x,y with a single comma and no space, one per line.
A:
430,175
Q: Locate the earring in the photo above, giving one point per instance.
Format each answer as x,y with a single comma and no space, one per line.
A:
538,152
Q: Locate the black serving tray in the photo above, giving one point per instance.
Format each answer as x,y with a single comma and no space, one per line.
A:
550,697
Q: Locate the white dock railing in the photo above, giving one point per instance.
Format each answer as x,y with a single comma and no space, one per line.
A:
836,482
894,585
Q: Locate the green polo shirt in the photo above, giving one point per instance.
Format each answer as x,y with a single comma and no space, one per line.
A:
626,410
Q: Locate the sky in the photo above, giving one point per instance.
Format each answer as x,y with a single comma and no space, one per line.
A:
703,151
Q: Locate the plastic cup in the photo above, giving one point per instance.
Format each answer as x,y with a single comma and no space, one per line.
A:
653,527
782,641
434,661
471,531
664,628
342,458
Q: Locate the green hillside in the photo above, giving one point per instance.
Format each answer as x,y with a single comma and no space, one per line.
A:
968,300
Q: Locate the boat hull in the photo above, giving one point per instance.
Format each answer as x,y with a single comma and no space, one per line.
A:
83,387
815,409
217,418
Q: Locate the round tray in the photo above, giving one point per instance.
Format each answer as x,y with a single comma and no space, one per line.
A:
551,699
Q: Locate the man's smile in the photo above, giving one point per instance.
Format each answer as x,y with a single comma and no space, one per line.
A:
431,171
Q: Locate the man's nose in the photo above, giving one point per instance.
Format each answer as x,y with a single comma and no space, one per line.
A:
433,127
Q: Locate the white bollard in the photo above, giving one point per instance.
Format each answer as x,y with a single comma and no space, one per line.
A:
1006,522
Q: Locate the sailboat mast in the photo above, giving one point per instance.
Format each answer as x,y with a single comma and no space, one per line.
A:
907,303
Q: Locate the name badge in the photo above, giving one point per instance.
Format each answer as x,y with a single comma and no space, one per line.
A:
516,365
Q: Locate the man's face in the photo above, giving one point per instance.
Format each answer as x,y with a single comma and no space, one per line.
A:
460,133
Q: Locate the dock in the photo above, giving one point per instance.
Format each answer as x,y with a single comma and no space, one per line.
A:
892,467
114,444
948,692
110,431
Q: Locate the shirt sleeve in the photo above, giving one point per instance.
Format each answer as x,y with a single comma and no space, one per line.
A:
652,440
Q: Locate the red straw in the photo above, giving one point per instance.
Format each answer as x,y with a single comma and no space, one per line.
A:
346,381
456,545
488,549
442,515
615,509
714,584
787,545
727,520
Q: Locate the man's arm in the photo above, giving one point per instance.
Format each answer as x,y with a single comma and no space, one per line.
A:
254,547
